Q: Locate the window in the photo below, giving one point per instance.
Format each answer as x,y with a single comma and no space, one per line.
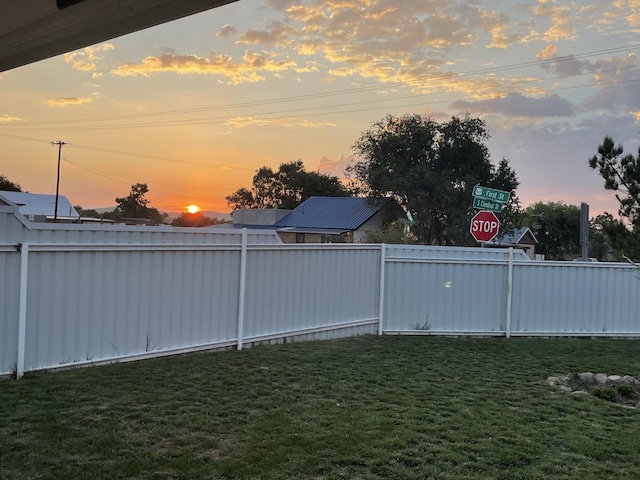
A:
299,237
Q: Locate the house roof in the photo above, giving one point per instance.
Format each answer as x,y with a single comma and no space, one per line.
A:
332,213
40,204
517,237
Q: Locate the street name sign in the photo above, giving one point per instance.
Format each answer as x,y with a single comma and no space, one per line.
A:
487,205
484,226
491,194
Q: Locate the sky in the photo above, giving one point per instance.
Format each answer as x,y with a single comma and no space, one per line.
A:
195,106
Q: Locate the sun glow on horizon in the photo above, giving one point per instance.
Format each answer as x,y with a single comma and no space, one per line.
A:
193,209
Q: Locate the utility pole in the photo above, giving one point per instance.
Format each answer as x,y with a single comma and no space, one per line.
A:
60,144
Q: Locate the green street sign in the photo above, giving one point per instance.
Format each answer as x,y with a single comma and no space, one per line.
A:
491,194
487,205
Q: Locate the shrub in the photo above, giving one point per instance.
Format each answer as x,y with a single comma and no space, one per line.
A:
626,390
605,393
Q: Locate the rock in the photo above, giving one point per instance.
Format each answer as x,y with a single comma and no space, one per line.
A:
601,378
564,388
553,380
629,379
580,392
566,378
615,379
587,377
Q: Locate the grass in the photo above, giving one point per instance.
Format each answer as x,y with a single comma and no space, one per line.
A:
368,408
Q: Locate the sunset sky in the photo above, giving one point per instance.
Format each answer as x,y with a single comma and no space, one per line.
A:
195,106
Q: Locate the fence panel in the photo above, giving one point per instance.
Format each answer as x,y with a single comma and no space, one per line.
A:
9,304
93,305
574,298
297,288
445,296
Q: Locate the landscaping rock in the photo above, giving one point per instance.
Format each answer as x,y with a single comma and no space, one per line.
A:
587,383
553,380
601,378
587,378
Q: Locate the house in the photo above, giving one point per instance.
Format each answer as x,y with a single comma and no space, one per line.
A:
322,219
336,219
38,207
522,238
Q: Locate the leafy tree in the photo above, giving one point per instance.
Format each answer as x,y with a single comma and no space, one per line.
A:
9,186
87,213
557,228
135,205
622,175
197,219
431,169
290,185
611,239
396,232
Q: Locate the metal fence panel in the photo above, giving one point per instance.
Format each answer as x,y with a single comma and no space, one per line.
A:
94,305
291,288
576,298
445,296
451,253
9,301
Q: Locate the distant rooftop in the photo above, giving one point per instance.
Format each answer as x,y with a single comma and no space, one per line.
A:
40,204
332,213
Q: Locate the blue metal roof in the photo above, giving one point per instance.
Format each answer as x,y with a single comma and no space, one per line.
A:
338,213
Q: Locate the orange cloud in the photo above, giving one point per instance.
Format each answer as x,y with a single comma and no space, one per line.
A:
66,101
85,59
246,70
4,118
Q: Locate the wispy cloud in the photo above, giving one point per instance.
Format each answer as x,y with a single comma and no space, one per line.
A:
309,124
4,118
85,59
251,68
66,101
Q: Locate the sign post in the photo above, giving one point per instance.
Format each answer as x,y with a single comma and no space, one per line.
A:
484,226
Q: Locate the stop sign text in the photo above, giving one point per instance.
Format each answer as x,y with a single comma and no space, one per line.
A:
484,226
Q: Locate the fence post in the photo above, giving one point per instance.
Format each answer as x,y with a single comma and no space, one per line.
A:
241,291
383,261
22,309
509,293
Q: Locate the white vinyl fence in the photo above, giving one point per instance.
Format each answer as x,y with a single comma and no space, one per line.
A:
74,294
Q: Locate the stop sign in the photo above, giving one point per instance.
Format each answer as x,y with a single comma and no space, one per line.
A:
484,226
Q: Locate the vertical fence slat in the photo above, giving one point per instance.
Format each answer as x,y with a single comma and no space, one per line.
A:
22,309
242,289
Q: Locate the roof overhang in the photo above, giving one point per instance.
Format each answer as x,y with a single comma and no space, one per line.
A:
32,30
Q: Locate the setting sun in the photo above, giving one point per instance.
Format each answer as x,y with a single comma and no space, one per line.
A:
193,209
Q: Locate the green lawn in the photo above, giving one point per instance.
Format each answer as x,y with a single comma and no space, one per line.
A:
368,407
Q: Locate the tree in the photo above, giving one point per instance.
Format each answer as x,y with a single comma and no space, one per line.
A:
197,219
430,168
87,213
557,228
397,232
622,175
135,205
288,186
9,186
611,239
